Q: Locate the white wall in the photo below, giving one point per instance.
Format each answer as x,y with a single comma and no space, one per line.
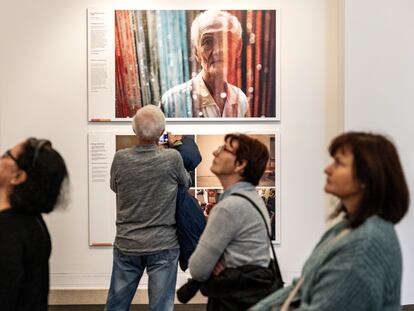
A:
379,75
43,93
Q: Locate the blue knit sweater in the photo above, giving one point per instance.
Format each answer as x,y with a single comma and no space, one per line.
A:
362,271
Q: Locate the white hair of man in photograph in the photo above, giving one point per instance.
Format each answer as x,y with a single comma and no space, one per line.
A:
149,123
212,20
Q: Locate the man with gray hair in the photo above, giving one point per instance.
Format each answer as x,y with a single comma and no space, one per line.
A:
216,44
145,179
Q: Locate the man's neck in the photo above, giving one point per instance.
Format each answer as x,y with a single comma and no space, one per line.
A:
215,85
146,142
217,93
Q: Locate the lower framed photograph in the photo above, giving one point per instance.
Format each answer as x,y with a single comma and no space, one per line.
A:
206,187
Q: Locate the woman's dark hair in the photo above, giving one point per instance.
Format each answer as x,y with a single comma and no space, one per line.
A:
377,166
254,152
46,171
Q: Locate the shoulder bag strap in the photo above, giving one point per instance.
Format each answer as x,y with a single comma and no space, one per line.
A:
275,263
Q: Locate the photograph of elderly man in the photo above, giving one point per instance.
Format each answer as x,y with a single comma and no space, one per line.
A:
216,44
196,64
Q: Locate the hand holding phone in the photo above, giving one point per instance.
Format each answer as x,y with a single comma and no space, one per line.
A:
173,139
163,139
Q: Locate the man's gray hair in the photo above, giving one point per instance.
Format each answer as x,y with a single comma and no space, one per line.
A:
212,20
149,123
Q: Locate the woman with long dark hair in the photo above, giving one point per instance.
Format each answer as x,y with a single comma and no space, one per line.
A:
31,177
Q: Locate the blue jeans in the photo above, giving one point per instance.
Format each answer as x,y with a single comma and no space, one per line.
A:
127,271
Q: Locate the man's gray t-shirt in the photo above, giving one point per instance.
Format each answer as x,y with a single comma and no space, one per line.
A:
145,179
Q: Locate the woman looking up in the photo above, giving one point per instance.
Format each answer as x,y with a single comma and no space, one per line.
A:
357,264
31,178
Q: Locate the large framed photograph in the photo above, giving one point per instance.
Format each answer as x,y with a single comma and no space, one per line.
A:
206,188
193,64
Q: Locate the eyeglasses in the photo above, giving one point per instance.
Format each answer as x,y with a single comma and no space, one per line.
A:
224,148
11,156
38,144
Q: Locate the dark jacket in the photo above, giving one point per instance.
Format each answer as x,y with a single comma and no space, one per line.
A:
189,215
24,261
234,289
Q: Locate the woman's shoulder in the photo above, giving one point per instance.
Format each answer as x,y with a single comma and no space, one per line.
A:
12,216
373,250
373,230
376,230
239,200
374,242
14,224
376,234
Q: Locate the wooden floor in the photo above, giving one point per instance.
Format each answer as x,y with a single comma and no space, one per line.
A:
192,307
94,300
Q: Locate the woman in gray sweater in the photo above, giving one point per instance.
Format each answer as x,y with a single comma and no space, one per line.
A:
357,264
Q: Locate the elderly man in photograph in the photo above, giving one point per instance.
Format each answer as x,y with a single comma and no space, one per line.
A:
145,179
216,45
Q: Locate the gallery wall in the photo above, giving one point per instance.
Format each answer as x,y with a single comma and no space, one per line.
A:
43,93
379,71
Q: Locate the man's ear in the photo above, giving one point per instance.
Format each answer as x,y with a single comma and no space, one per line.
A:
19,178
240,166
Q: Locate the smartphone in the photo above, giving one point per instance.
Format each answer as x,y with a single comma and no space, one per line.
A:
164,139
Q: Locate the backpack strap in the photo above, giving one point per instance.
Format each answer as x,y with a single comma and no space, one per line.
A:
275,263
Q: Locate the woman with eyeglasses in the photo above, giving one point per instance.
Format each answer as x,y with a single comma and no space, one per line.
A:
31,178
